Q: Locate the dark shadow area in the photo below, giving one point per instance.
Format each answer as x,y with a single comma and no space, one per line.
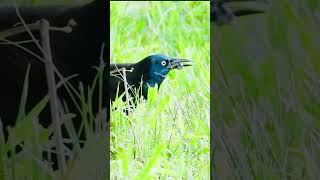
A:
76,104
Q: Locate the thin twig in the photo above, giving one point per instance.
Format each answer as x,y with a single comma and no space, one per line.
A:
44,29
35,26
17,42
113,72
118,74
126,90
71,23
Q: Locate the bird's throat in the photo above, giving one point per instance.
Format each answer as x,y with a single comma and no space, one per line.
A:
151,83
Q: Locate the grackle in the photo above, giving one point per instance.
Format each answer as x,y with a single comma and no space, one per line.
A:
146,73
222,14
75,53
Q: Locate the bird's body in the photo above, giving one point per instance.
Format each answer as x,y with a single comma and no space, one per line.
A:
149,72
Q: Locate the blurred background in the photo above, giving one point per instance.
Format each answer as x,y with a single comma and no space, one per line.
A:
45,2
167,136
89,162
266,94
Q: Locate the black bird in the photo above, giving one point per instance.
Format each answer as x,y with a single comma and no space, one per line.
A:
74,53
222,13
146,73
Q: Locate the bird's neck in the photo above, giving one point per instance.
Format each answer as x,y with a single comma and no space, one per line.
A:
150,75
135,73
153,79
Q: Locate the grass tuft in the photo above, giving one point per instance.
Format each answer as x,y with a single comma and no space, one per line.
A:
166,136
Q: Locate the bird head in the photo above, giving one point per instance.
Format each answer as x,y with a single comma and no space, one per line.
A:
159,66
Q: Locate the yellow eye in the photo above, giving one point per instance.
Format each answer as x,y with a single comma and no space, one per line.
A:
163,63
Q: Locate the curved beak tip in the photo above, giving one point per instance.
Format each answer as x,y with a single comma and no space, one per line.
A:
180,63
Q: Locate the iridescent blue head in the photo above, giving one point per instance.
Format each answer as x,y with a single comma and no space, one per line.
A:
159,66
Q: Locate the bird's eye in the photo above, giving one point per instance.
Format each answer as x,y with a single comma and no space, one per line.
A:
163,63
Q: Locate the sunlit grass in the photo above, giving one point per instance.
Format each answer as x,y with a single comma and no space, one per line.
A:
167,136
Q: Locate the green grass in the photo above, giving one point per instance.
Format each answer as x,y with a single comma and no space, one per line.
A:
168,135
266,118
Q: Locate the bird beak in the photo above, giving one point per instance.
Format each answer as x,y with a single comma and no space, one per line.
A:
225,11
176,63
246,11
248,7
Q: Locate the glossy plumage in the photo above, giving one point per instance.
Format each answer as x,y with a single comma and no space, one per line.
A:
146,73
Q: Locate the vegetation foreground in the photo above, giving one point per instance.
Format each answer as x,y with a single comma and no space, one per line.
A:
168,135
